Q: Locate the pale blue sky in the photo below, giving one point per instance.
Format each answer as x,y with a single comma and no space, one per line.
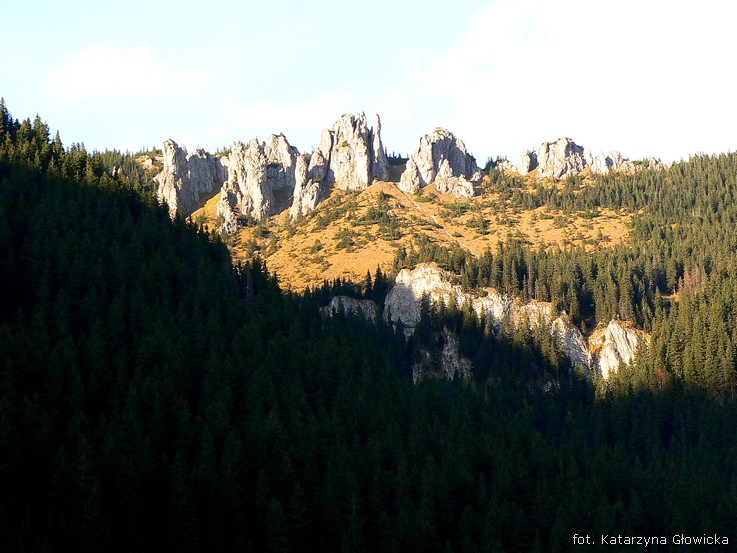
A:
646,77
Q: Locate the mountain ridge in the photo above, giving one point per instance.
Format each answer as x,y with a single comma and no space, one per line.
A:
351,155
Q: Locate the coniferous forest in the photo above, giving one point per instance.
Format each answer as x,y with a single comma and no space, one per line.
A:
155,397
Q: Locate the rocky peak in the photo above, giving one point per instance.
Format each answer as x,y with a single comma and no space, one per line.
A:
306,191
281,160
261,179
441,158
350,154
557,159
564,158
185,178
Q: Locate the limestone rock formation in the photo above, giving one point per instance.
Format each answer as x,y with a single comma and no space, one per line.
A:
603,352
410,181
227,209
447,183
365,308
615,343
557,160
564,158
571,341
185,178
402,303
281,160
318,168
526,162
442,158
261,179
306,191
452,363
350,154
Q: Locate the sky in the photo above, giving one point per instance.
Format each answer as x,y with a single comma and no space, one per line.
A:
645,77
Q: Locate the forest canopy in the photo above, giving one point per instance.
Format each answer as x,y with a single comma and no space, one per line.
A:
155,397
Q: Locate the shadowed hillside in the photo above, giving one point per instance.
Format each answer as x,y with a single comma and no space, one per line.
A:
155,397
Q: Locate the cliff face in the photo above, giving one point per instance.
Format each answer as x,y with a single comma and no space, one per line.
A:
564,158
602,352
365,308
451,364
261,179
441,158
615,343
350,154
186,177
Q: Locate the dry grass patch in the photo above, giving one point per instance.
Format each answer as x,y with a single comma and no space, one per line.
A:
351,233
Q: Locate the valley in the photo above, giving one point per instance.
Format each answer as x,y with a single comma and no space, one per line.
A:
537,358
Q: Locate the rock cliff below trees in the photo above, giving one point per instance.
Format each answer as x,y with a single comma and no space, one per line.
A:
614,344
365,308
601,353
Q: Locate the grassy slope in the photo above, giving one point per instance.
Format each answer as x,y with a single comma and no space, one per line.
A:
290,248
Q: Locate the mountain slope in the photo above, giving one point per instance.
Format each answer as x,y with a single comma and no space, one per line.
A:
154,398
351,233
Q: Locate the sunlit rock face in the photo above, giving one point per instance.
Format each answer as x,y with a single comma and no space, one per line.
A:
615,344
306,191
441,158
350,153
262,178
186,178
257,180
564,158
606,348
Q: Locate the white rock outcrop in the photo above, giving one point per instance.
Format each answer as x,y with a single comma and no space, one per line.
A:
350,154
365,308
571,342
614,344
564,158
306,191
453,363
448,183
410,181
605,349
441,158
557,160
261,179
186,178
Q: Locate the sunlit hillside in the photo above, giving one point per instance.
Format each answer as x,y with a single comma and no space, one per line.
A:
351,233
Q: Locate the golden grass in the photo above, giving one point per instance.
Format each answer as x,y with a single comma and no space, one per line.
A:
290,250
208,211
